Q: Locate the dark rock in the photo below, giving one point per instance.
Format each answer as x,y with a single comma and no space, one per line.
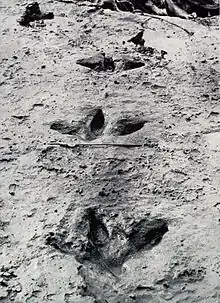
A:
138,39
163,53
151,7
33,13
202,8
109,4
125,5
12,189
174,10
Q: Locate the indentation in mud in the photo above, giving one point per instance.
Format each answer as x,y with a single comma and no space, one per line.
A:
106,238
131,63
90,126
146,232
190,275
182,276
64,127
98,62
126,126
97,123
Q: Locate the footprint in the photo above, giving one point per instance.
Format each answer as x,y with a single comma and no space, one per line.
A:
105,240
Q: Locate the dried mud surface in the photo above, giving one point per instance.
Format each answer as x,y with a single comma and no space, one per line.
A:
109,175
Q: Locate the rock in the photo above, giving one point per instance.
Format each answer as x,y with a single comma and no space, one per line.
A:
33,13
123,5
138,39
12,189
108,4
200,8
163,53
175,11
151,7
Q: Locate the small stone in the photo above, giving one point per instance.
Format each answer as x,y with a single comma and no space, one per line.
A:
83,166
12,188
6,274
102,194
17,287
165,285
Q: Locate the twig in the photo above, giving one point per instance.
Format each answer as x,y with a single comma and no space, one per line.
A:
96,145
169,22
216,204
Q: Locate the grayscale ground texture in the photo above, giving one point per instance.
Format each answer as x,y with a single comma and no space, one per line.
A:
109,157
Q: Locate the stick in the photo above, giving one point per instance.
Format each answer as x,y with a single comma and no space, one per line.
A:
97,145
169,22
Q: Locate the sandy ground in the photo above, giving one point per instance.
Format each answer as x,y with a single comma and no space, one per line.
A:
153,234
